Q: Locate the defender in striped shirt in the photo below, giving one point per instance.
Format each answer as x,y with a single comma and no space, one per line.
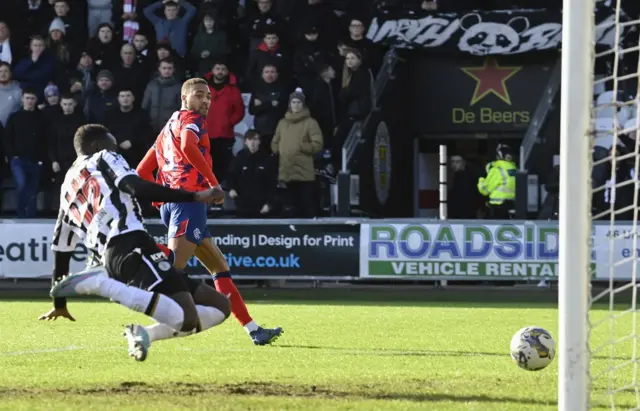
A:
99,206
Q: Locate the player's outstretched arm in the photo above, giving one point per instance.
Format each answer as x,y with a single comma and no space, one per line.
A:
146,190
189,146
148,165
64,242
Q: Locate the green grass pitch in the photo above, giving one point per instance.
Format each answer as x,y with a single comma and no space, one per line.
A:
342,350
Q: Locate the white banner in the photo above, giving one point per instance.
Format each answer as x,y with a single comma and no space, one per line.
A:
475,250
25,250
620,261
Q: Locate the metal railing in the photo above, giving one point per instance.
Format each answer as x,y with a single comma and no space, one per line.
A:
540,116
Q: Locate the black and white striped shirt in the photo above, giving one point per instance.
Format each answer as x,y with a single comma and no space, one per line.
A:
92,208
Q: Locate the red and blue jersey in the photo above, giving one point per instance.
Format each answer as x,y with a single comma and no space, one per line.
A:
174,168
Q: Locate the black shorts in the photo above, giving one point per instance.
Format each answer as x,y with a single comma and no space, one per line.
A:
135,259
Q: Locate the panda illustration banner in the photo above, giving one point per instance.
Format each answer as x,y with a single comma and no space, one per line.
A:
483,33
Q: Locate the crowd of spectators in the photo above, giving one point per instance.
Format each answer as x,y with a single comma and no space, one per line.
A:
306,65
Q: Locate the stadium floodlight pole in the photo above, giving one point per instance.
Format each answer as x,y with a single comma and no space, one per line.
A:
578,23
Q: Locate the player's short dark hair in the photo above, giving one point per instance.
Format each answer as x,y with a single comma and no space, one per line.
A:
167,60
251,134
66,96
29,90
189,84
270,31
4,63
126,90
61,1
170,4
87,135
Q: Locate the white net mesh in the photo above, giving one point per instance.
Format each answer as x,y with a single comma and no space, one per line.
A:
613,318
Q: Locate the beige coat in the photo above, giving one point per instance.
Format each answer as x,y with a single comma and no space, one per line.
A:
296,140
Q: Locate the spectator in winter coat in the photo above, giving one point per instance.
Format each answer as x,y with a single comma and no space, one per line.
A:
129,125
322,102
172,28
464,200
162,96
268,52
355,98
144,56
268,104
296,141
252,180
26,146
10,94
262,20
74,16
101,99
129,74
357,40
51,104
317,13
9,49
310,53
210,44
127,18
60,49
357,83
164,52
103,48
37,70
82,80
61,131
38,13
226,110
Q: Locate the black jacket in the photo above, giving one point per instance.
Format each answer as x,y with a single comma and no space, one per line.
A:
132,126
266,115
262,56
62,129
26,135
356,97
97,104
253,176
322,102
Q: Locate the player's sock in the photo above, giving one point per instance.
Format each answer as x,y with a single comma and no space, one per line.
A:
157,306
171,256
209,317
224,284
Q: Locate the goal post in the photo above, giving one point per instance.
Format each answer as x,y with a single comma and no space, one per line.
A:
578,37
599,327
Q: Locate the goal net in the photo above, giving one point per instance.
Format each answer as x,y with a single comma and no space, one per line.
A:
600,181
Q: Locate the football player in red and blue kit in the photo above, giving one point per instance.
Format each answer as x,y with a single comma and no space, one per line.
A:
181,155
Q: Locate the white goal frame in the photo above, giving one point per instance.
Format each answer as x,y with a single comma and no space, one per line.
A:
578,50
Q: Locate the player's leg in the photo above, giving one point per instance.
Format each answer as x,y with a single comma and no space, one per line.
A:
189,234
213,308
212,258
95,281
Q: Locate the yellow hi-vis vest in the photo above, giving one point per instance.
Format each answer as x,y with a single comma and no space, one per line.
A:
500,183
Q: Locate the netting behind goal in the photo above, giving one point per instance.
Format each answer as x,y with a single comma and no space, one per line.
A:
611,363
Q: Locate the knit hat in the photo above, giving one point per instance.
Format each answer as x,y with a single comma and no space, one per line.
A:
104,73
298,94
57,24
51,90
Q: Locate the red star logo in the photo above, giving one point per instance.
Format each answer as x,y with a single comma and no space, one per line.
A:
491,79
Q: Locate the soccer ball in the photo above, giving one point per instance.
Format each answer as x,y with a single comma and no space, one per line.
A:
533,348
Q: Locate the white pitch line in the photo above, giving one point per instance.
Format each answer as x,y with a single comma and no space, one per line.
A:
42,351
332,351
